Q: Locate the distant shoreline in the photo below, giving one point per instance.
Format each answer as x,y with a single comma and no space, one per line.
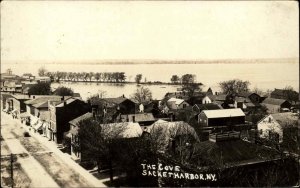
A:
158,62
126,82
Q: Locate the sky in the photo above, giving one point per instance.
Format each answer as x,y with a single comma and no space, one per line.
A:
88,31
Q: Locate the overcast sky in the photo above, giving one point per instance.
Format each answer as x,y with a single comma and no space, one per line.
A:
90,31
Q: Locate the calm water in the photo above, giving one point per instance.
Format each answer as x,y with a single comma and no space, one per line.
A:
262,75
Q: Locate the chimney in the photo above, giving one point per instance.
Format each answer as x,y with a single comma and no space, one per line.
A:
133,119
33,96
62,98
127,118
123,96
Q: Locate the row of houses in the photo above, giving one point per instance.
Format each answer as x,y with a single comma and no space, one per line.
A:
246,101
11,83
58,118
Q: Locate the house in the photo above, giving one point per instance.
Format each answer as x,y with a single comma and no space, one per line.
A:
244,103
276,105
8,75
43,79
178,95
4,97
283,94
221,117
38,110
253,97
272,126
170,135
143,119
73,133
17,103
8,86
123,130
175,103
61,112
199,99
121,104
210,106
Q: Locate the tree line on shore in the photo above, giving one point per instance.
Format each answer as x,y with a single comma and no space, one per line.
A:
117,77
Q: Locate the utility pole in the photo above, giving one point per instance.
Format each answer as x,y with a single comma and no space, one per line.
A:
11,170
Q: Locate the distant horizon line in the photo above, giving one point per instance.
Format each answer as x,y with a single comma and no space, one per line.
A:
164,61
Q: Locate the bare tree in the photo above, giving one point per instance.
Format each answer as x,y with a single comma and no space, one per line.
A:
42,71
234,86
142,95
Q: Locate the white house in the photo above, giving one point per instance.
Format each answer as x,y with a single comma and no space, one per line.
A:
174,104
206,100
272,126
267,126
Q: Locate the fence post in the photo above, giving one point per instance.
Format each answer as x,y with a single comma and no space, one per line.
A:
11,170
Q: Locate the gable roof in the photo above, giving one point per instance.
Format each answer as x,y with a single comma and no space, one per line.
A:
222,113
20,96
246,94
176,101
209,106
127,129
243,99
273,101
285,118
163,131
80,118
67,101
138,117
42,99
41,105
219,97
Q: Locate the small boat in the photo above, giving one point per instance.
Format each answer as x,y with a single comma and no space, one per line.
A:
162,87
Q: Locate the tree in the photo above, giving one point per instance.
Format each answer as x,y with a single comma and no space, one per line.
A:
40,89
96,141
42,71
175,79
191,88
291,94
64,91
142,94
189,84
138,78
234,86
188,78
258,91
97,76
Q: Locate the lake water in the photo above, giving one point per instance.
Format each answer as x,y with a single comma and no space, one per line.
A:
261,75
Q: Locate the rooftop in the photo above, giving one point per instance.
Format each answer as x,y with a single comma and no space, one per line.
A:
80,118
222,113
273,101
123,130
138,117
42,99
176,100
209,106
285,118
